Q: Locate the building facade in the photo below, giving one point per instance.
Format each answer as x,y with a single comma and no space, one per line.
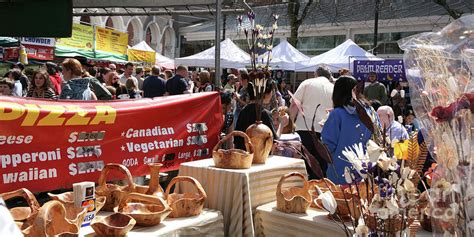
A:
157,31
331,22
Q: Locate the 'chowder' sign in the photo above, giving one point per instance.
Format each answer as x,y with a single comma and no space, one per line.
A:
48,42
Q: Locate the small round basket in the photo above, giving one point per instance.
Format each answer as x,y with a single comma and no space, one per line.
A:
233,158
185,204
294,199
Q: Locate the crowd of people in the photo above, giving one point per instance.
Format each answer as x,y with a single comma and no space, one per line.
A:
332,106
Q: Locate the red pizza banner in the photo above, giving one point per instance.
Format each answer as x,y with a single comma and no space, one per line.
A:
47,145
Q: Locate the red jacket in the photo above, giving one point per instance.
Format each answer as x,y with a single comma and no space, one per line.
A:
56,81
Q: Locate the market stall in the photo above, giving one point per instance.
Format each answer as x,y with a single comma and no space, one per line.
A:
231,57
286,57
209,223
238,192
341,56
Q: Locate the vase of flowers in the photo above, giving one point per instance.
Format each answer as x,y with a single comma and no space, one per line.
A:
260,45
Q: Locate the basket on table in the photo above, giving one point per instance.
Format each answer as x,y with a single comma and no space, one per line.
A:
293,199
233,158
185,204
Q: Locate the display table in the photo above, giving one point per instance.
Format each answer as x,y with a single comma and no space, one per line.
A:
209,223
237,193
271,222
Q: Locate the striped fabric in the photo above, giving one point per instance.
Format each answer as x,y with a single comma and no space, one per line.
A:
271,222
237,193
209,223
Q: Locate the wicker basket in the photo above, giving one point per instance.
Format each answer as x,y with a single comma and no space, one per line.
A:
294,199
113,192
388,227
233,158
23,216
185,204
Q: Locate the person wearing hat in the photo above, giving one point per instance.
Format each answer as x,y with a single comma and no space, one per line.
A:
375,90
99,89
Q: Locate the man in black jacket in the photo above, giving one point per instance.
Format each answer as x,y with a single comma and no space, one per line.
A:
154,85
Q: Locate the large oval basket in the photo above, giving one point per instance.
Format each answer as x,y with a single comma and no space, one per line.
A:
294,199
185,204
233,158
147,210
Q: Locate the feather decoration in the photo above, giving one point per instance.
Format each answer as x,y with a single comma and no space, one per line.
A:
413,152
422,157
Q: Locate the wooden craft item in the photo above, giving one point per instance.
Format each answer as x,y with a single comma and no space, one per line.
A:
51,221
261,137
23,216
116,225
153,187
185,204
147,210
67,198
233,158
112,192
293,199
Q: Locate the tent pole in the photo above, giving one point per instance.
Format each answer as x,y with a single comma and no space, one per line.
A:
294,81
218,45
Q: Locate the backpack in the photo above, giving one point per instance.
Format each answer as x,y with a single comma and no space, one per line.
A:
76,89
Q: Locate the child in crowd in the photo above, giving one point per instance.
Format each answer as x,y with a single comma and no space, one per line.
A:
132,89
6,86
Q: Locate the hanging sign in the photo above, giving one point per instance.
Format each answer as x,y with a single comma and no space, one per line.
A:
111,41
82,38
387,70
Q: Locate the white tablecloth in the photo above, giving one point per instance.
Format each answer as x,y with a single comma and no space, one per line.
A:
209,223
237,193
271,222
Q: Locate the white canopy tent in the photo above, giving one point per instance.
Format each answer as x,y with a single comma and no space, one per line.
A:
231,57
160,60
286,57
143,46
341,56
164,61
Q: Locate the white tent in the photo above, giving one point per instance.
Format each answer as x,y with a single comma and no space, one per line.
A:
231,57
340,57
286,57
164,61
143,46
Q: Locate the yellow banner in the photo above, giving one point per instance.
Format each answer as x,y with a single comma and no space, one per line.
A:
82,38
111,40
141,56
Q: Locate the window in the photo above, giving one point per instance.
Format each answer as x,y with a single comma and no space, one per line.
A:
315,45
387,42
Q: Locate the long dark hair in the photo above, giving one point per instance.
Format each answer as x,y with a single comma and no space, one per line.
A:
47,81
342,94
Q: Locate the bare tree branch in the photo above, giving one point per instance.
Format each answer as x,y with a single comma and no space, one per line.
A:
305,11
452,12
